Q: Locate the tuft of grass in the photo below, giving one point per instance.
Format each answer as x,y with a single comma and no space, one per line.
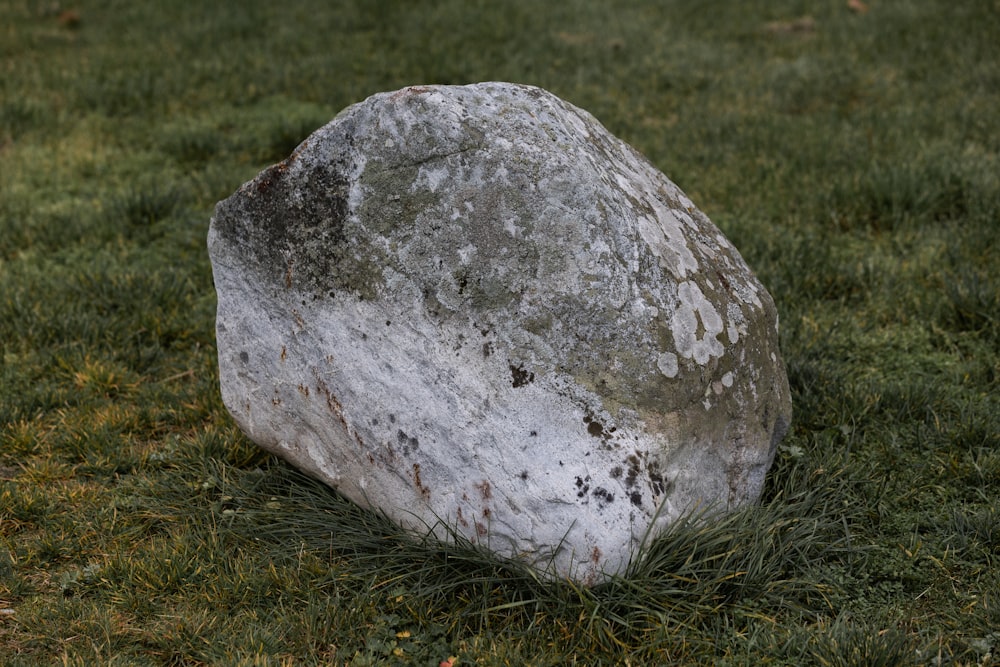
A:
853,643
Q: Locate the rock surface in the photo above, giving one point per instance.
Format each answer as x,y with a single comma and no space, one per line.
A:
473,307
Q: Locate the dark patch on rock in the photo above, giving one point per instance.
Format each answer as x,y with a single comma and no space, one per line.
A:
603,496
656,481
520,377
306,243
633,471
407,442
598,429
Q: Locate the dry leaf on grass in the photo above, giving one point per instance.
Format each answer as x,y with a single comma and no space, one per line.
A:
802,25
857,6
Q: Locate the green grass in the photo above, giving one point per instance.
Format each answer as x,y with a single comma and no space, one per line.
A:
856,164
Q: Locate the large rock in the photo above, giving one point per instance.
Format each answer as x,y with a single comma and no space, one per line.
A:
474,307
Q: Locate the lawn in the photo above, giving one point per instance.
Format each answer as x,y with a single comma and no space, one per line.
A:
850,151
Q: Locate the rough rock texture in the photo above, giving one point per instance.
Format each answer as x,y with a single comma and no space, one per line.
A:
474,305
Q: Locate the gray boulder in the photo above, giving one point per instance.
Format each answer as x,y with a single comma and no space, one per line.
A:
476,310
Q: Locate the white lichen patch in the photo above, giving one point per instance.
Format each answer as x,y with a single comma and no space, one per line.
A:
696,325
667,363
667,240
737,323
466,253
430,178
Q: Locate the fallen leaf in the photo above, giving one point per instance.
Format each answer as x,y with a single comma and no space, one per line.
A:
575,39
69,18
857,6
801,25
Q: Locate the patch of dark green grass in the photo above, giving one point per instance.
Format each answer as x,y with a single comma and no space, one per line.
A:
18,115
853,160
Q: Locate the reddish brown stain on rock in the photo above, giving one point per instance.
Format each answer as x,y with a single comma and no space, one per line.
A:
424,491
